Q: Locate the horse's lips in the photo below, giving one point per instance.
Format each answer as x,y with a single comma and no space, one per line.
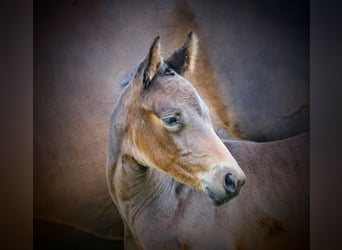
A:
217,201
214,197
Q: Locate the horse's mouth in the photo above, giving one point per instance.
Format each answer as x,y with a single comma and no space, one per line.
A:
219,199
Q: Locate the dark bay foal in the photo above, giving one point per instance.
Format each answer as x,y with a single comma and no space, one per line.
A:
173,180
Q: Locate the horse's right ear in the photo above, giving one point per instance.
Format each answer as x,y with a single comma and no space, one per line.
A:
152,63
184,58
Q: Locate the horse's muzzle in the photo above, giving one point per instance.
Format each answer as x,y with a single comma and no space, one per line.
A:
223,186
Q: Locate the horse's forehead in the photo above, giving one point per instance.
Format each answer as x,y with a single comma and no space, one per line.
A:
177,90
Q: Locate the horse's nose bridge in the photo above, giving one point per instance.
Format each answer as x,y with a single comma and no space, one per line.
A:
219,156
208,141
220,153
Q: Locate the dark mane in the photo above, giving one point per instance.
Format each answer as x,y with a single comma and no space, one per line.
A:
127,79
129,76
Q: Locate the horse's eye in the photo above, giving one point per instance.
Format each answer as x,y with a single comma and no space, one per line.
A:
171,121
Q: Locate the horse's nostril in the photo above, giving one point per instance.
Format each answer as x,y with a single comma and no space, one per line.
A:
230,183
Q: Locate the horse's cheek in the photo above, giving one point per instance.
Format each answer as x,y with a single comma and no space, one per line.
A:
154,141
163,150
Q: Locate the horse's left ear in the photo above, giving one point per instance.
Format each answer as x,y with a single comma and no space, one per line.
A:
184,59
152,63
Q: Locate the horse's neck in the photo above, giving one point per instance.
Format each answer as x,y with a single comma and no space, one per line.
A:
144,189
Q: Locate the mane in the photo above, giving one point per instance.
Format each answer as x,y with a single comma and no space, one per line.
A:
127,79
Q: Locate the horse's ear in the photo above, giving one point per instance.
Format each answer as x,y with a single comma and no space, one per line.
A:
184,59
152,63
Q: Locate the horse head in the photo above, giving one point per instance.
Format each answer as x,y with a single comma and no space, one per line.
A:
168,126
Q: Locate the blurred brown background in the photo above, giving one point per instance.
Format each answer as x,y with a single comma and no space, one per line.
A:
255,52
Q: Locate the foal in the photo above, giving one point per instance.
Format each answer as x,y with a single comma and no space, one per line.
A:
165,160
